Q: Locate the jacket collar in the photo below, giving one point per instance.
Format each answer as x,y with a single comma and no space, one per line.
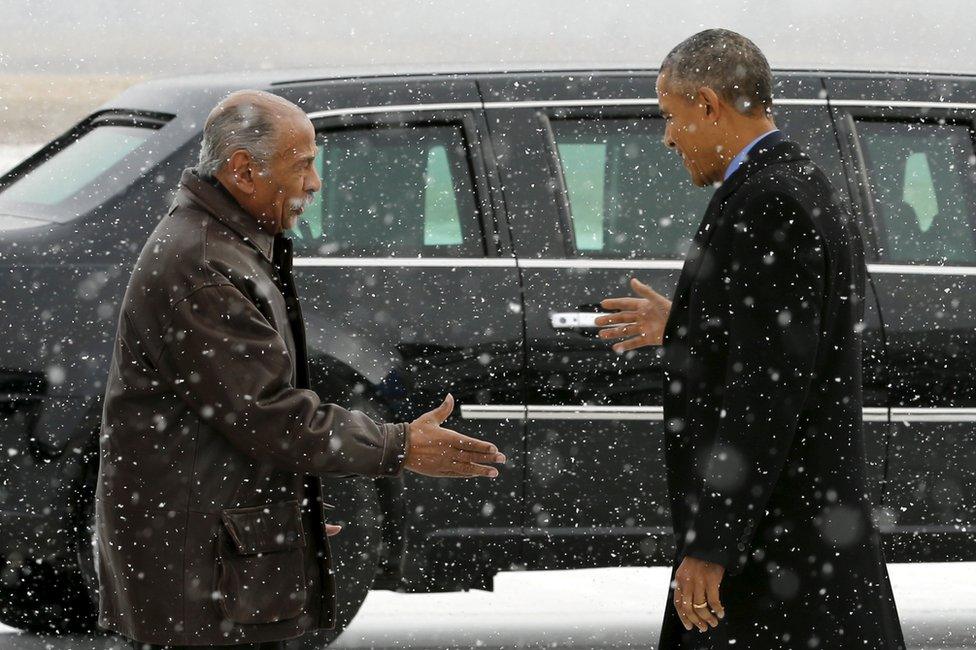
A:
771,149
219,203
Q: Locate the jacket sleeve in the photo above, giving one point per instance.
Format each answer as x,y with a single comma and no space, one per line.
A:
776,291
230,366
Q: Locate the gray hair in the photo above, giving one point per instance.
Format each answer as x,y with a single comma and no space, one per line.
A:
725,61
246,120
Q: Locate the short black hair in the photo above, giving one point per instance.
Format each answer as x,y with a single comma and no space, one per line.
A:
725,61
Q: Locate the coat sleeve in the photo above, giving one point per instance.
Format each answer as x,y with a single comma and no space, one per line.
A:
776,292
231,367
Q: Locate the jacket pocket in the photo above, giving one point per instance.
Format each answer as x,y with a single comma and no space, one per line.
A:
261,563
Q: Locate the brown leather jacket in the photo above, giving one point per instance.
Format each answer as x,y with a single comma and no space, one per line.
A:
211,441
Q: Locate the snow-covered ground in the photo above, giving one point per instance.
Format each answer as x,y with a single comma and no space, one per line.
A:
621,608
590,608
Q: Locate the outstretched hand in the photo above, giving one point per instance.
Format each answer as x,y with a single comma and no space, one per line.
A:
436,451
696,582
639,321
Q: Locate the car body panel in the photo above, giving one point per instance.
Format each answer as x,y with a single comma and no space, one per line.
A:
929,314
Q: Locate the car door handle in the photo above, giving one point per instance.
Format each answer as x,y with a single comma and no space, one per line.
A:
576,320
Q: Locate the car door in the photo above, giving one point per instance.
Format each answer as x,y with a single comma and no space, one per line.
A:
595,491
595,198
911,141
410,286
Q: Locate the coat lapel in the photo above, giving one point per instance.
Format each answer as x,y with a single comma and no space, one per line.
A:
219,204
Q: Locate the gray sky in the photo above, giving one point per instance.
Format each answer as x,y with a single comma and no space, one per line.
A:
153,37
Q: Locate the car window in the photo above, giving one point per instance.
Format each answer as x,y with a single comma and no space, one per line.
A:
924,190
811,128
392,191
75,175
629,196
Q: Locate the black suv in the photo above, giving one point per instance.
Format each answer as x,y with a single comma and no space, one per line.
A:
468,226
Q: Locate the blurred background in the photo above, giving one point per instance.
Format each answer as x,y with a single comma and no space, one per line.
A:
58,60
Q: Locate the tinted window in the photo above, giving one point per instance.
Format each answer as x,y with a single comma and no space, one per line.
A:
77,172
629,195
810,127
923,182
393,191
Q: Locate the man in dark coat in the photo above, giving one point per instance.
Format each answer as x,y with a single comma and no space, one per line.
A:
775,545
210,518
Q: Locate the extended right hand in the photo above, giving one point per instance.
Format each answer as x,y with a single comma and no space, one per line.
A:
436,451
639,321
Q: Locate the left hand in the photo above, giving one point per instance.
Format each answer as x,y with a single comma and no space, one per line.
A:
332,529
696,582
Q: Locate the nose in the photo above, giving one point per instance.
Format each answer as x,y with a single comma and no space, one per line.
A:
313,183
667,140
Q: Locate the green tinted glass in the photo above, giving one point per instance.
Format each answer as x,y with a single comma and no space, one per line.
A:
76,166
390,191
919,189
923,180
629,196
442,223
583,168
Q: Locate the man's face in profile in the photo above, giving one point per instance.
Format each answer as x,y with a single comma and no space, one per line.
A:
688,132
287,185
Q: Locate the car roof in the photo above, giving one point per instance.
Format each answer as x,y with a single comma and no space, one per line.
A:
177,94
303,75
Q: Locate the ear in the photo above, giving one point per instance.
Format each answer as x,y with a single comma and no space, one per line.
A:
709,101
242,168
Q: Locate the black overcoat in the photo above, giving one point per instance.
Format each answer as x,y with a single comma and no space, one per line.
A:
762,405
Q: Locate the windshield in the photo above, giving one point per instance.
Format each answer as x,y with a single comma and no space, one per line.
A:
74,174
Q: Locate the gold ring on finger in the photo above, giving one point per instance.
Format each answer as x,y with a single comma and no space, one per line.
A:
700,606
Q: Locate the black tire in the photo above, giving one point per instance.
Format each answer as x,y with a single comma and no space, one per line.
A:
84,536
356,550
57,595
355,553
40,599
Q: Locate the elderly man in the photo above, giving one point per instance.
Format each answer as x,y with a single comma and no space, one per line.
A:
762,402
210,519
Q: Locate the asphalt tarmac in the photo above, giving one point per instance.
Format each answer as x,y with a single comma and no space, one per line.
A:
589,608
